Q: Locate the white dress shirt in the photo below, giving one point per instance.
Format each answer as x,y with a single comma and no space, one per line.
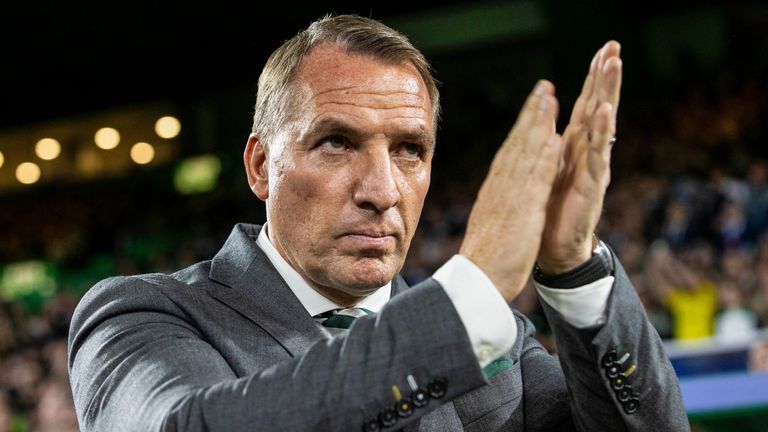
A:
489,321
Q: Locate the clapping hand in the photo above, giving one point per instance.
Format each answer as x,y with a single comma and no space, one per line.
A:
544,192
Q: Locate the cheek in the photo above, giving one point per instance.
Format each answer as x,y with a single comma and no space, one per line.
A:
295,196
310,198
414,190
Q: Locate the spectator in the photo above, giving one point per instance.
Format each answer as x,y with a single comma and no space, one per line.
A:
734,322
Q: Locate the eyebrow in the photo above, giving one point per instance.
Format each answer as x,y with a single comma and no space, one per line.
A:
335,126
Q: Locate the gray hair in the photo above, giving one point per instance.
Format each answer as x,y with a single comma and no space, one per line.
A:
357,35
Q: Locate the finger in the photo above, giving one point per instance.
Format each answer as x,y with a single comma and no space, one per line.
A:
543,125
528,139
547,166
531,106
599,155
578,113
608,78
612,85
593,100
535,123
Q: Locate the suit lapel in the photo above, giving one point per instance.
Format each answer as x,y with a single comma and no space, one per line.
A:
250,285
399,285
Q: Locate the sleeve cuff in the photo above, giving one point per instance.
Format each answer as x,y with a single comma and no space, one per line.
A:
580,307
487,318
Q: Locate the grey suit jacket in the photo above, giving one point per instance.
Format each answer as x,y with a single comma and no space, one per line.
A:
225,345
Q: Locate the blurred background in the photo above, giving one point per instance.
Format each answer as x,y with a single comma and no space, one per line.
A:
122,130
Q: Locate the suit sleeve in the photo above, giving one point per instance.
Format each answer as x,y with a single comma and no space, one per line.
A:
137,363
618,376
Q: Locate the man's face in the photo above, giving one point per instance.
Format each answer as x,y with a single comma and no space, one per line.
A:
345,180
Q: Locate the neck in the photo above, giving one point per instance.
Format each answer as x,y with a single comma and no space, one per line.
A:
339,297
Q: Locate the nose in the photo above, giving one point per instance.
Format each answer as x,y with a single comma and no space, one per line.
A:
376,187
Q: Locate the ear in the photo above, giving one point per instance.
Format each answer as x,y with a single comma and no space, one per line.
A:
256,158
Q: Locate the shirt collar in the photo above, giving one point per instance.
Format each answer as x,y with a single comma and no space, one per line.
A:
314,302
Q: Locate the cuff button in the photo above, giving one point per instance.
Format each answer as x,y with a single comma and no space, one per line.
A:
631,405
388,417
404,407
624,394
609,358
371,425
612,371
420,398
618,383
437,387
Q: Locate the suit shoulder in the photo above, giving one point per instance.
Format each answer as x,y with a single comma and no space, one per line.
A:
194,275
124,287
125,294
144,292
149,283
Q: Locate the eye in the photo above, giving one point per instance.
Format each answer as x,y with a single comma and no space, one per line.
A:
334,144
411,150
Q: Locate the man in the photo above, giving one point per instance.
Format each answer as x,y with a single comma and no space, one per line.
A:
344,133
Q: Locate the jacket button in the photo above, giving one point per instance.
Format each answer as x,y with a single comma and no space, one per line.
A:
610,357
631,405
420,398
437,387
371,425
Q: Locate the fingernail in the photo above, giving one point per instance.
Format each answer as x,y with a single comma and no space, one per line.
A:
543,103
539,89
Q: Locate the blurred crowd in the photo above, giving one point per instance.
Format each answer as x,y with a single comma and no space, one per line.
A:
35,387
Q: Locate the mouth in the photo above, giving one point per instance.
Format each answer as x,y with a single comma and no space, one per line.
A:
370,238
373,233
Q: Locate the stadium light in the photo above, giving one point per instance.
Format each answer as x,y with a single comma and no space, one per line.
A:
47,149
167,127
27,173
142,153
107,138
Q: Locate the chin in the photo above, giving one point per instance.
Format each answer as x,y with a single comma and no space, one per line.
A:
366,274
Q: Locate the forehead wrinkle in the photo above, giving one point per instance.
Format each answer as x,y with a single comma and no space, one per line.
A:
365,106
387,93
333,89
410,100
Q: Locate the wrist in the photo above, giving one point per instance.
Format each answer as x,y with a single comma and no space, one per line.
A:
598,266
572,260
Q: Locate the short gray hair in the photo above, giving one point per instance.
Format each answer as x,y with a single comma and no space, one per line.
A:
357,35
